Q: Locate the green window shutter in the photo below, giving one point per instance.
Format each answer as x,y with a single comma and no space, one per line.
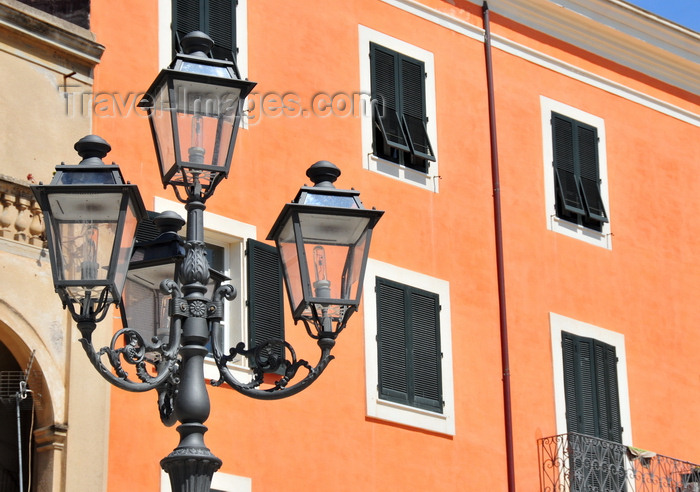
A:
589,171
590,387
222,28
576,171
610,427
568,346
587,408
568,194
399,112
188,16
265,294
386,106
391,342
426,355
413,107
408,345
581,415
217,18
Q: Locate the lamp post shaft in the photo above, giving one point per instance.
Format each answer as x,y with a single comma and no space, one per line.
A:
191,465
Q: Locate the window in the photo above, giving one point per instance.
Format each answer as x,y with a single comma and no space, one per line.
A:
408,345
408,353
575,173
74,11
217,18
591,401
399,137
265,294
577,181
592,409
590,385
590,366
225,21
398,109
226,239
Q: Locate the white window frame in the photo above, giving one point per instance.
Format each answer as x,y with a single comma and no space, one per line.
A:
443,423
429,180
231,234
165,43
554,223
220,481
558,324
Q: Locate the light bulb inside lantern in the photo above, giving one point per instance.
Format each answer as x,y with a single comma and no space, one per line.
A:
89,266
196,149
322,286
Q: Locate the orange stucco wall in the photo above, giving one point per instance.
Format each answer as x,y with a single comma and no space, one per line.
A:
645,287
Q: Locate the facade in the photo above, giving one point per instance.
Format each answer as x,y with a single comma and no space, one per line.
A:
580,259
64,422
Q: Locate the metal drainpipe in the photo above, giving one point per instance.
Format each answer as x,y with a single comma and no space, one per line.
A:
498,226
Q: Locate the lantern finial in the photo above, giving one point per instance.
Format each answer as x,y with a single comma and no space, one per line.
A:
323,174
196,43
92,148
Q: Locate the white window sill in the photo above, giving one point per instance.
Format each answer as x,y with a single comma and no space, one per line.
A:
239,371
403,173
410,416
576,231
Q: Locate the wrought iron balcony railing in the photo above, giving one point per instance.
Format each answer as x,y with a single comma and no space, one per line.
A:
578,463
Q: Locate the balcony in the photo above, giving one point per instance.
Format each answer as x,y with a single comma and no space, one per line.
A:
20,216
578,463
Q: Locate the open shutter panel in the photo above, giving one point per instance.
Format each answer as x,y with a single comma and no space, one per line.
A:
569,362
579,384
601,391
587,408
564,164
426,354
385,96
188,16
413,107
587,142
265,294
222,28
391,342
614,422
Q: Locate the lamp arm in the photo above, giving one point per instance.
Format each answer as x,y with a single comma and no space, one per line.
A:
266,361
90,309
134,353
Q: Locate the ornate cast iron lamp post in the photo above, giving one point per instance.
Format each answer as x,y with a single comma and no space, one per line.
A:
323,238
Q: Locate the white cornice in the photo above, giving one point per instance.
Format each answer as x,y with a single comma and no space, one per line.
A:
51,34
688,70
617,31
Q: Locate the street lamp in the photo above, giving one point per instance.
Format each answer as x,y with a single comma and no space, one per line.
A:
91,216
323,238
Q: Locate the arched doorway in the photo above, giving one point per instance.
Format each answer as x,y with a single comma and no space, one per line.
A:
17,422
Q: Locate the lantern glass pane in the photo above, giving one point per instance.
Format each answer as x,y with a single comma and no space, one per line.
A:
205,98
163,128
205,140
72,206
225,132
353,269
332,229
330,200
203,69
206,118
326,264
146,308
88,177
85,250
127,243
290,261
